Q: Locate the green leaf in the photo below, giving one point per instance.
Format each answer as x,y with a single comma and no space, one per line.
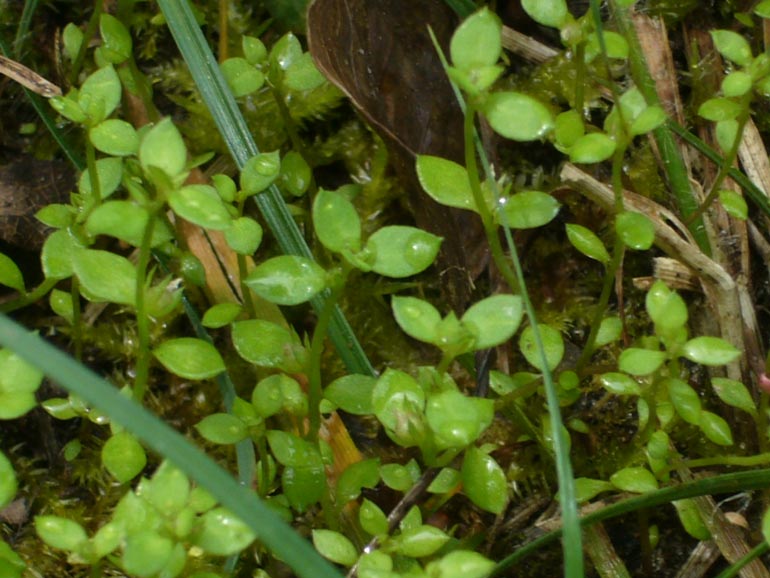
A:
10,275
685,399
105,276
372,519
620,384
734,204
114,137
402,251
60,532
587,488
259,172
763,10
287,280
221,314
609,331
336,222
445,181
162,147
222,533
241,76
726,133
398,477
352,393
168,490
493,320
734,394
666,308
116,40
303,75
296,174
8,482
460,564
715,428
57,255
635,230
553,346
126,221
123,456
552,13
615,46
687,510
484,481
190,358
268,345
395,394
222,428
719,109
591,148
100,94
527,210
517,116
648,120
711,351
477,41
637,480
732,46
363,474
638,361
418,319
201,205
146,552
335,547
568,128
737,83
447,480
586,241
457,420
109,173
419,542
278,392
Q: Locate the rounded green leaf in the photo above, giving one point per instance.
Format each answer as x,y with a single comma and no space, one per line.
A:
419,319
517,116
553,13
221,314
493,320
336,222
402,251
162,147
457,420
60,533
635,229
420,541
732,46
100,94
484,481
591,148
363,474
109,172
303,75
709,350
446,481
586,241
638,361
477,41
222,428
244,235
17,375
126,221
527,210
335,547
461,564
737,83
373,520
734,394
105,276
241,76
116,40
734,204
553,346
588,488
190,358
726,133
57,255
685,400
715,428
123,456
267,344
287,280
620,384
296,174
568,128
259,172
352,393
114,137
719,109
398,477
649,119
201,205
222,533
168,490
666,308
445,181
8,483
394,393
146,552
609,331
10,275
688,513
637,480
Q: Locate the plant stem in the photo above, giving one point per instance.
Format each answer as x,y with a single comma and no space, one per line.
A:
142,317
